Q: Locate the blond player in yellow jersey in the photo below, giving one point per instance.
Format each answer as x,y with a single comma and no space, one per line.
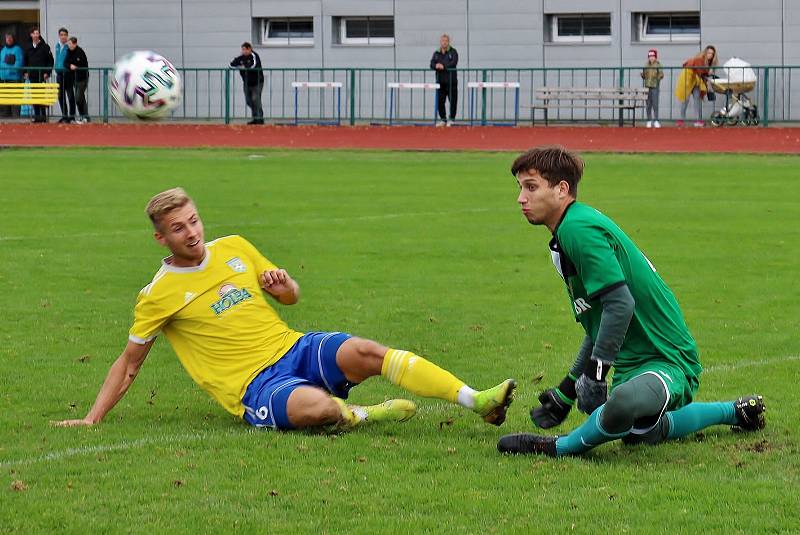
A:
207,299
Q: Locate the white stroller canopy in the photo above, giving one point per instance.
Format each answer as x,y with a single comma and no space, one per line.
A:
737,71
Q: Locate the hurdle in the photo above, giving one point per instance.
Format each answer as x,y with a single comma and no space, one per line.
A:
297,86
473,100
396,86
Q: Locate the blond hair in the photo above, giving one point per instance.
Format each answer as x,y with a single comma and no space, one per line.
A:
701,56
165,202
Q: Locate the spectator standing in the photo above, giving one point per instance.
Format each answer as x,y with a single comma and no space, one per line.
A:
11,58
76,78
39,64
444,62
61,53
692,82
652,74
249,65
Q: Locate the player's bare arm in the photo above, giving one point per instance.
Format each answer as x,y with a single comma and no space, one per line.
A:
119,379
280,285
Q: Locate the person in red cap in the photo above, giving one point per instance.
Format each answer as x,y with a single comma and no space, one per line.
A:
652,75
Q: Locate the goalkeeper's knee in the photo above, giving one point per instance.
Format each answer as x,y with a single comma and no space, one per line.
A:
617,415
641,397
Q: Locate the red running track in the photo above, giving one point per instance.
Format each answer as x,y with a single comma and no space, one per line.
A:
592,138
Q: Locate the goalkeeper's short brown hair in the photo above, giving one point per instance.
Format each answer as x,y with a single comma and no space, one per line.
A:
554,164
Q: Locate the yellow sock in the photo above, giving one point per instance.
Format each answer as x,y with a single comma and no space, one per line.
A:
420,376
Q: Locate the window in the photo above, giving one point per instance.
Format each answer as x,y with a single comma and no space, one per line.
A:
365,30
580,28
681,27
288,32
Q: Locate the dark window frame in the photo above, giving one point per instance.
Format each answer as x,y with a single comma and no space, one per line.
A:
558,20
672,35
300,39
370,39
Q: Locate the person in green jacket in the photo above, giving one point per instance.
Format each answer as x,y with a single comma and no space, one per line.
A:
632,323
652,75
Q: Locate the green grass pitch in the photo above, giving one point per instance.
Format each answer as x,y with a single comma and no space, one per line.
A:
423,251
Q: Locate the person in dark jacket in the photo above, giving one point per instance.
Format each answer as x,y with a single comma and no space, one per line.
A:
38,56
444,62
249,65
76,79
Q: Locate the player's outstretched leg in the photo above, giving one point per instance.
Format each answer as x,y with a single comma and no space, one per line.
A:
309,407
426,379
640,398
580,440
359,358
745,413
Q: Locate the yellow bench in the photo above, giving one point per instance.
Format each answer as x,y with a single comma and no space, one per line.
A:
43,94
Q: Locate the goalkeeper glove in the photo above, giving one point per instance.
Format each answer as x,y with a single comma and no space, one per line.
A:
555,404
591,387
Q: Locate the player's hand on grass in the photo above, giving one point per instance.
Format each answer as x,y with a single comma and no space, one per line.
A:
73,423
591,387
552,411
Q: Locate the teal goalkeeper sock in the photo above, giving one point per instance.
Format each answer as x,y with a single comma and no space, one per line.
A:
586,437
696,416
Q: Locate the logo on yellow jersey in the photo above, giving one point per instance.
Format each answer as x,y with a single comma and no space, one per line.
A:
237,265
230,296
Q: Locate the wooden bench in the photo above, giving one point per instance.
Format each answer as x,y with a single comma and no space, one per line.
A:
590,98
43,94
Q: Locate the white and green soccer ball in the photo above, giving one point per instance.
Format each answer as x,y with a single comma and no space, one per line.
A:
145,85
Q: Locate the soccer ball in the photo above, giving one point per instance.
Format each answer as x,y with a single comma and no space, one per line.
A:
145,85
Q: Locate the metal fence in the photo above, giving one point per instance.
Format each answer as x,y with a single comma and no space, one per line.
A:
216,95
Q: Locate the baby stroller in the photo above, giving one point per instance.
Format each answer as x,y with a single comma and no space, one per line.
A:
739,78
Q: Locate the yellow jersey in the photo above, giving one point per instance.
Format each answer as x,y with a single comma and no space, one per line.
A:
216,318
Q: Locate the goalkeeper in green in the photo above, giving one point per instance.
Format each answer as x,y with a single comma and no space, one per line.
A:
632,321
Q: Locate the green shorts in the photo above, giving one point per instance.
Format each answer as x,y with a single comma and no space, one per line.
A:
680,387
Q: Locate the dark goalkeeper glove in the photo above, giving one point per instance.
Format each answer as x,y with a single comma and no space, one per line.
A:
591,387
555,404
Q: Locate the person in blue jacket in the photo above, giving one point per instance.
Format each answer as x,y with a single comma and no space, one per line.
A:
62,48
10,70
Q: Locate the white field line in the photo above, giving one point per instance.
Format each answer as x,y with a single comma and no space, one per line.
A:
103,448
191,437
376,217
749,364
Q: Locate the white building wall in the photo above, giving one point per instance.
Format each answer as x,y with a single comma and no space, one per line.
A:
487,33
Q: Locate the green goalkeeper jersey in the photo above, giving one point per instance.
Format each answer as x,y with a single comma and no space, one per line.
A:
594,256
